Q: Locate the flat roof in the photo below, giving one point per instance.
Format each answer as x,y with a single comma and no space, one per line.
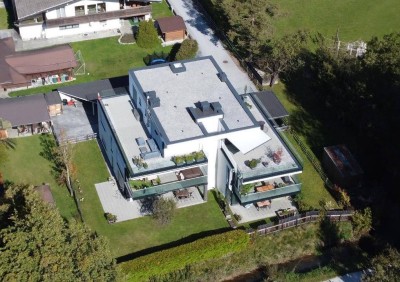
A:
178,91
119,110
270,104
24,110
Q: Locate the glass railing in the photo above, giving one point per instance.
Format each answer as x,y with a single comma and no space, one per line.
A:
274,193
270,170
167,187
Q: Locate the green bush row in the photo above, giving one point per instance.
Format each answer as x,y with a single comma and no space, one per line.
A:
173,259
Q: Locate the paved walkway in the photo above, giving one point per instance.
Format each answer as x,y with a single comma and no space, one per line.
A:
209,44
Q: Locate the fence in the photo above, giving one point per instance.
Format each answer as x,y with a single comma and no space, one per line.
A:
300,219
77,139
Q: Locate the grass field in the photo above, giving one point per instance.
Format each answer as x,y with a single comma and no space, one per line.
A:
104,58
160,10
138,234
26,165
355,19
3,18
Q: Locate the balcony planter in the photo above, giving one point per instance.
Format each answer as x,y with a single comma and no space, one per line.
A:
199,156
252,163
189,159
246,189
179,160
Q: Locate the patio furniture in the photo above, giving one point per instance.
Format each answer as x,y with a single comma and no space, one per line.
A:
140,141
265,188
182,194
263,204
191,173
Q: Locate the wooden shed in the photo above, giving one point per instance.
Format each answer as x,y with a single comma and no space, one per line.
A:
342,167
172,28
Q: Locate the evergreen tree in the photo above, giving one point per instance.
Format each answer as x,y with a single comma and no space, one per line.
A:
187,50
147,36
37,245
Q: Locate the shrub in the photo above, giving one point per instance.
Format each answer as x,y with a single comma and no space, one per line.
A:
111,218
246,188
147,36
163,262
199,155
163,210
362,222
252,163
187,50
189,158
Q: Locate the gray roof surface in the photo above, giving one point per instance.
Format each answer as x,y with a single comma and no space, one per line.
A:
179,91
271,104
24,110
52,98
28,8
87,91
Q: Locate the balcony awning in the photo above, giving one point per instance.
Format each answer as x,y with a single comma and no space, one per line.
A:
249,140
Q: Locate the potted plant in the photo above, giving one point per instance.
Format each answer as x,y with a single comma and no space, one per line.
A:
111,218
246,189
178,160
199,156
145,165
252,163
189,158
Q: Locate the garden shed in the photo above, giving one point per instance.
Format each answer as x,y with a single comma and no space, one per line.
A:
172,28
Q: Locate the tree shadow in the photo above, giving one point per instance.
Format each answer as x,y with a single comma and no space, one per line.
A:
48,145
329,234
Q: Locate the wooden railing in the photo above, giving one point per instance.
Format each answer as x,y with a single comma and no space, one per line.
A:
300,219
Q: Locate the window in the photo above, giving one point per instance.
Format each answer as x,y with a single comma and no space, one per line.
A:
79,10
69,26
91,9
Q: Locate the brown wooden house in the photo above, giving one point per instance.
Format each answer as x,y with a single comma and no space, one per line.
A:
172,28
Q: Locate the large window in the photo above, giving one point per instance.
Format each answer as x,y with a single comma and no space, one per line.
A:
91,9
79,10
69,26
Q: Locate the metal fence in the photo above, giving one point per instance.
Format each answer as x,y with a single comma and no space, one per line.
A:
300,219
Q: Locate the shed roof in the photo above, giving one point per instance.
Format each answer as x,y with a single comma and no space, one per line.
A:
170,24
24,110
53,98
270,104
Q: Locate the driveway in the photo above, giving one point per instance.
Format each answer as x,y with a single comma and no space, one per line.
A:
209,44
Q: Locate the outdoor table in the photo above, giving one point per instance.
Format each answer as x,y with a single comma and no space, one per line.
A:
265,188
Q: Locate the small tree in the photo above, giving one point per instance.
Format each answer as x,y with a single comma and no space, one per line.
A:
362,222
344,198
163,210
187,50
147,36
63,160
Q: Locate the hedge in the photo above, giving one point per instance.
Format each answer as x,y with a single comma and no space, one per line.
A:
177,258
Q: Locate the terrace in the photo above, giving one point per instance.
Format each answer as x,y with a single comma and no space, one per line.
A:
195,176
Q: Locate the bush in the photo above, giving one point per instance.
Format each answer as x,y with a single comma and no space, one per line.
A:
173,259
187,50
252,163
147,36
163,210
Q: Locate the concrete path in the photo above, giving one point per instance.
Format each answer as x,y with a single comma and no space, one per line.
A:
209,44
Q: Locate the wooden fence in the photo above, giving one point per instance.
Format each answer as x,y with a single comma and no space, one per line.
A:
78,139
300,219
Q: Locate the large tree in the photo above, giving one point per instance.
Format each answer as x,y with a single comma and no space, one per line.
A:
281,54
249,23
37,245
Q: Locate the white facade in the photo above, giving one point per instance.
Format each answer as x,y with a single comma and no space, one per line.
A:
80,8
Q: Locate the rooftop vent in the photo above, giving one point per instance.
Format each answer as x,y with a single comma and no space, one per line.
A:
204,106
216,106
177,67
154,101
222,76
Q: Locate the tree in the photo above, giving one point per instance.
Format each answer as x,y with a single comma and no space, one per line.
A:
281,55
362,222
385,267
187,50
147,36
249,23
37,245
163,210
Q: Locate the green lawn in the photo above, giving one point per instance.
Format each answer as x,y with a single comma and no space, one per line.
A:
104,58
26,165
3,18
356,19
160,10
138,234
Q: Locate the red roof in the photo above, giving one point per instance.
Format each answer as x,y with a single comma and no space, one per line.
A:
170,24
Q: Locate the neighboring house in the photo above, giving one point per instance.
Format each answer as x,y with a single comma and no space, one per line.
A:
35,68
57,18
184,125
27,115
172,28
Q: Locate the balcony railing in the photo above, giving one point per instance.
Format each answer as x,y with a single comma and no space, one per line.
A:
270,194
167,187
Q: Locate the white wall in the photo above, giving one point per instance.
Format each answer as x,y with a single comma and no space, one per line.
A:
211,124
31,31
83,28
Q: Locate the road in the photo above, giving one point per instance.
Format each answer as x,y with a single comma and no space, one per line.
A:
209,44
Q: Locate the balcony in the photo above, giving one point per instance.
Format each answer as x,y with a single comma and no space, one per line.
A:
103,16
168,182
268,191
